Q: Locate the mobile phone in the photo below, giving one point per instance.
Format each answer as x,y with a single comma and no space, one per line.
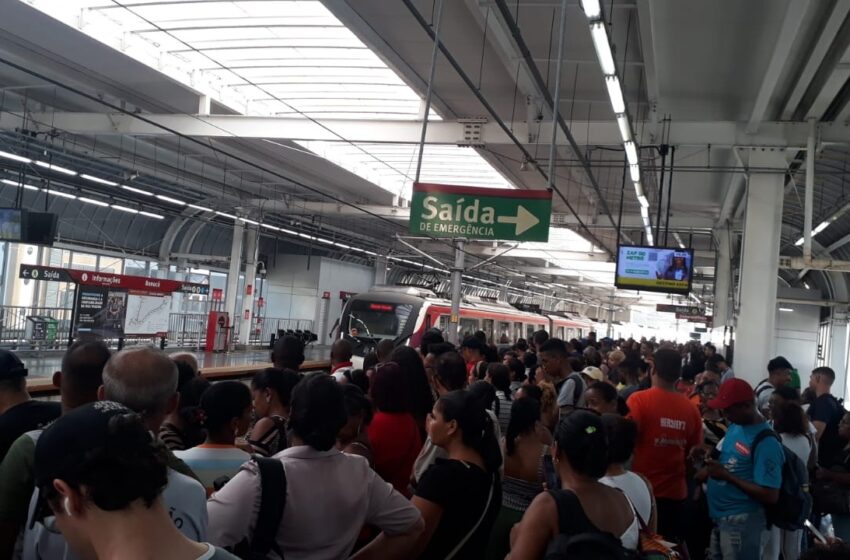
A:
818,535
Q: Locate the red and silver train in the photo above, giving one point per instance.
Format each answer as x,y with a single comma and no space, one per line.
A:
403,314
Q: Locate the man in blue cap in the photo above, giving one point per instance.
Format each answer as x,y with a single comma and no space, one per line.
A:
18,412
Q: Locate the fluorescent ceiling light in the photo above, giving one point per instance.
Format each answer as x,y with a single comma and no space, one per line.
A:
638,189
271,227
171,200
634,171
786,309
615,94
137,191
93,201
31,188
644,202
799,242
645,221
61,194
94,179
821,226
54,167
603,49
644,212
591,8
14,157
125,209
225,215
201,208
631,153
247,221
151,215
625,127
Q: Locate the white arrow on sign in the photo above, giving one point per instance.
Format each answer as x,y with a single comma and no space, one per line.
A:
524,220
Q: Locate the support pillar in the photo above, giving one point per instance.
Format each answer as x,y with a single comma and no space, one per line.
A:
722,280
247,306
838,352
457,278
233,273
756,325
380,271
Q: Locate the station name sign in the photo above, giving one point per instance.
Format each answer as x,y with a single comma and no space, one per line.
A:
477,213
107,280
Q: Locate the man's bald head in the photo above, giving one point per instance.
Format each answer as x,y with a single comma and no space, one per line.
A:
142,379
341,351
186,358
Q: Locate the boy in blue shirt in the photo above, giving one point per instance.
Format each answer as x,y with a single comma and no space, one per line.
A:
740,482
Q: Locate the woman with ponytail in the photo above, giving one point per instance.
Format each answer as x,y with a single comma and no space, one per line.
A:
524,472
459,497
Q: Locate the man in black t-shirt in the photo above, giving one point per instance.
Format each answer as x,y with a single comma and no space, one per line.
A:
825,412
18,412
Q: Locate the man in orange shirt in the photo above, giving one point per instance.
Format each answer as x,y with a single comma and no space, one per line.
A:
669,426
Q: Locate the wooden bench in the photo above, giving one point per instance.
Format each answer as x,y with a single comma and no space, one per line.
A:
44,387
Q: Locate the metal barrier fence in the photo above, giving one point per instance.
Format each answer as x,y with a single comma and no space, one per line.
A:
13,325
187,330
265,327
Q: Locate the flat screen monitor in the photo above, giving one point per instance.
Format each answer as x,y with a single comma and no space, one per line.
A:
41,228
12,224
654,269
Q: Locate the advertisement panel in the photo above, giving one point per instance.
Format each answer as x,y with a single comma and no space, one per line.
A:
654,269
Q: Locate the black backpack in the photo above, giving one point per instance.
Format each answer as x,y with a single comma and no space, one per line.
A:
795,501
578,538
272,503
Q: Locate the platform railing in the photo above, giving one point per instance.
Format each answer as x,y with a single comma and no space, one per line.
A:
13,325
187,330
263,328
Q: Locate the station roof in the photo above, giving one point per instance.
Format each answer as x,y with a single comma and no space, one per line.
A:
306,116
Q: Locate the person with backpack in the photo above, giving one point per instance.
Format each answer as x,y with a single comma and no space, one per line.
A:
317,499
743,479
584,518
778,374
825,413
569,383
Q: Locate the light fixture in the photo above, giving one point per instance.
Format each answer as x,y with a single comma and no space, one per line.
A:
54,167
631,152
786,309
591,8
94,179
603,48
625,128
225,215
271,227
799,242
634,171
135,190
170,200
638,189
93,201
821,226
125,209
61,194
151,215
247,221
644,212
615,94
644,202
201,208
14,157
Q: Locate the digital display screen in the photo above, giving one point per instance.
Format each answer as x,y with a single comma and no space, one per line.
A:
11,224
655,269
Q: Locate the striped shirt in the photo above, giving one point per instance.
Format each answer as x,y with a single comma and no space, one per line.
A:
212,461
273,440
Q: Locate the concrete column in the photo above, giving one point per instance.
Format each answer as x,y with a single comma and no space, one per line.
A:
838,352
722,279
233,272
759,266
250,288
380,271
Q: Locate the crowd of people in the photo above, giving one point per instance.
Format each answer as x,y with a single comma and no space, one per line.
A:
542,448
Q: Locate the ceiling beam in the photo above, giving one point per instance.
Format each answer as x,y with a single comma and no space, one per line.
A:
791,25
682,133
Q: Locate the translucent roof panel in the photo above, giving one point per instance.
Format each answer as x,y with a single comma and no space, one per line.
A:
277,57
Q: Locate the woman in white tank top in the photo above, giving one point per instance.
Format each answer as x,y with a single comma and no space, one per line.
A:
622,434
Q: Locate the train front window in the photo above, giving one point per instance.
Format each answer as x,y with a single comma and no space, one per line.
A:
378,320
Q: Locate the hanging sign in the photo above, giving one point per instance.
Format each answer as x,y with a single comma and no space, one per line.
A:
478,213
107,280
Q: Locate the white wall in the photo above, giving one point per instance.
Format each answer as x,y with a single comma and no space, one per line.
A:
796,334
295,292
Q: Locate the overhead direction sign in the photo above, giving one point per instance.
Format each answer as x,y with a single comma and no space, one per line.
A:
478,213
108,280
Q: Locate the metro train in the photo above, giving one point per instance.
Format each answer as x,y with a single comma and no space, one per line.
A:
404,313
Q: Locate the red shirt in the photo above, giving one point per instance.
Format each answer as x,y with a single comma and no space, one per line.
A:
395,443
669,425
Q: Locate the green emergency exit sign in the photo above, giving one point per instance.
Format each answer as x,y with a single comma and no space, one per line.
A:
478,213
